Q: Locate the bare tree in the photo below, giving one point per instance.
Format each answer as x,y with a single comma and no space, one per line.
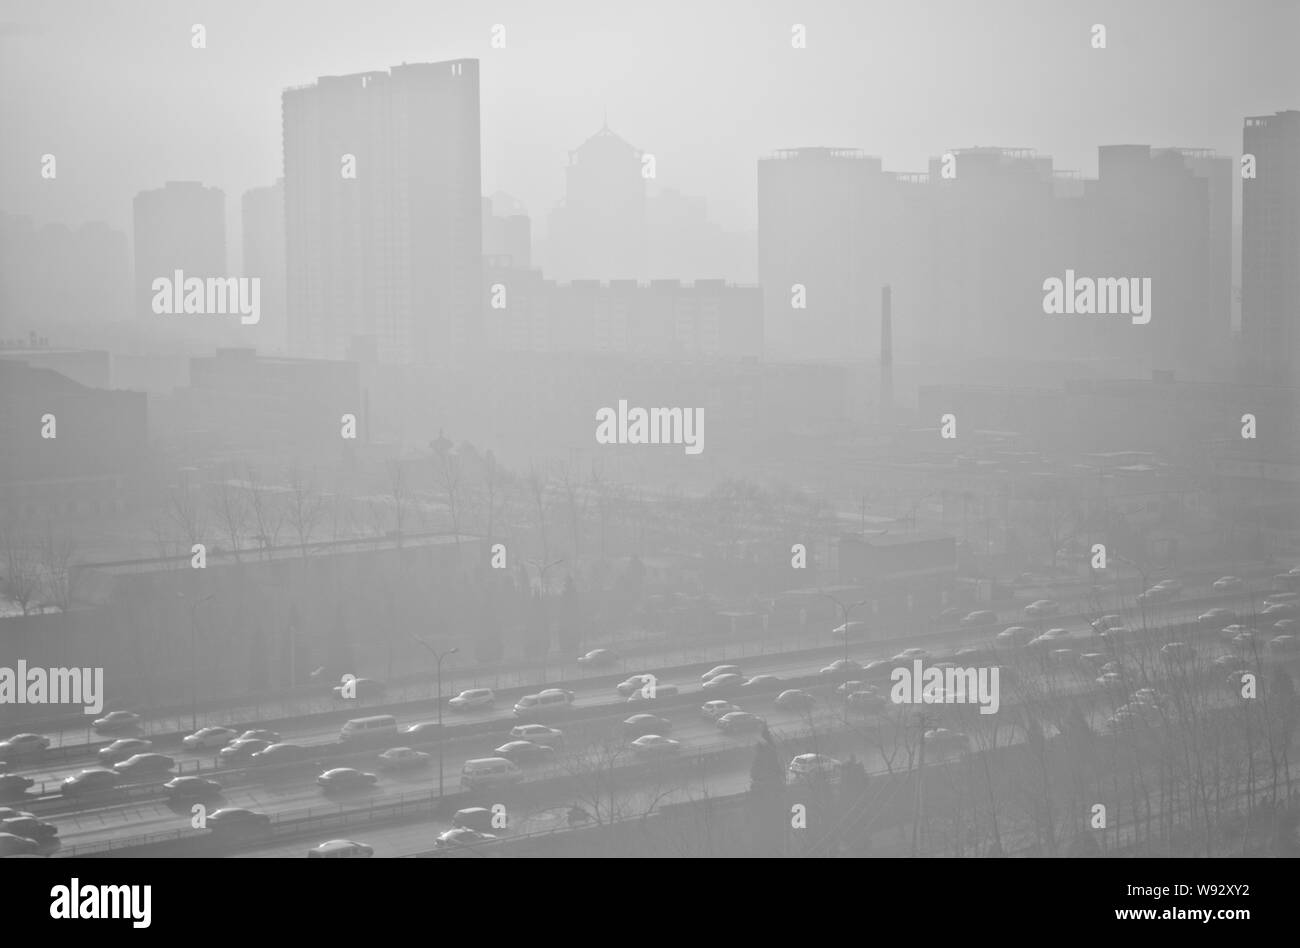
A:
537,492
231,510
61,575
268,513
22,569
305,506
448,474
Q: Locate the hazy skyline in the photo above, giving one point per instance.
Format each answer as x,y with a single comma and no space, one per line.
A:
145,107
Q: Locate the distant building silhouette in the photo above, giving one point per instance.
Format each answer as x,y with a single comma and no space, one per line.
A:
262,216
1270,248
395,251
822,226
180,226
508,235
599,231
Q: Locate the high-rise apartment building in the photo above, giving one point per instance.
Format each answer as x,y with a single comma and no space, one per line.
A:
383,228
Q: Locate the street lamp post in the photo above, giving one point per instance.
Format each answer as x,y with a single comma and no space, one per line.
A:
439,657
194,641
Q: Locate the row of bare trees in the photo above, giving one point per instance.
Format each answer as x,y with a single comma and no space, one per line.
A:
38,571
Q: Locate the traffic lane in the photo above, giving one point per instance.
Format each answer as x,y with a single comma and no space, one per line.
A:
299,796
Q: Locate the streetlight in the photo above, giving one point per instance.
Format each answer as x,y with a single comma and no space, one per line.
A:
194,641
845,611
441,742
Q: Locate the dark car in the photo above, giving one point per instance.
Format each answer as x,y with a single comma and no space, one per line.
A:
11,845
473,817
276,754
192,788
794,699
346,778
260,734
462,836
740,722
14,785
95,780
144,765
639,724
525,752
29,827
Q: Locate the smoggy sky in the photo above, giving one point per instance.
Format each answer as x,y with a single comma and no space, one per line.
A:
116,92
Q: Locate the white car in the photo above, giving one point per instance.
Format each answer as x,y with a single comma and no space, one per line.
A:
814,765
402,758
1227,584
720,670
655,745
633,684
1177,652
209,737
1041,608
911,655
341,849
1014,637
716,709
538,734
473,698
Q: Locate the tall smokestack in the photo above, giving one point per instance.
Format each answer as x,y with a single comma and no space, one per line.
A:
886,355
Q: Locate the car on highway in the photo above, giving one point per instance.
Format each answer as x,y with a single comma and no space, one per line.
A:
1284,644
403,758
911,655
341,849
192,788
1014,637
1042,608
359,688
659,690
14,785
23,745
740,722
1049,639
140,766
1227,584
92,780
1104,623
474,817
1281,597
472,698
277,754
980,618
423,731
655,745
122,748
848,687
807,766
538,734
545,702
8,813
949,616
462,836
794,699
599,658
759,682
11,845
1156,595
241,750
29,827
632,684
720,670
878,666
237,821
639,724
1279,610
1216,617
525,752
725,681
841,668
260,734
116,722
855,630
872,702
716,709
1177,652
209,737
1247,640
944,741
489,772
346,778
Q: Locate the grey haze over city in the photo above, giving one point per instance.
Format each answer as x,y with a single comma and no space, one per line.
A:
729,430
